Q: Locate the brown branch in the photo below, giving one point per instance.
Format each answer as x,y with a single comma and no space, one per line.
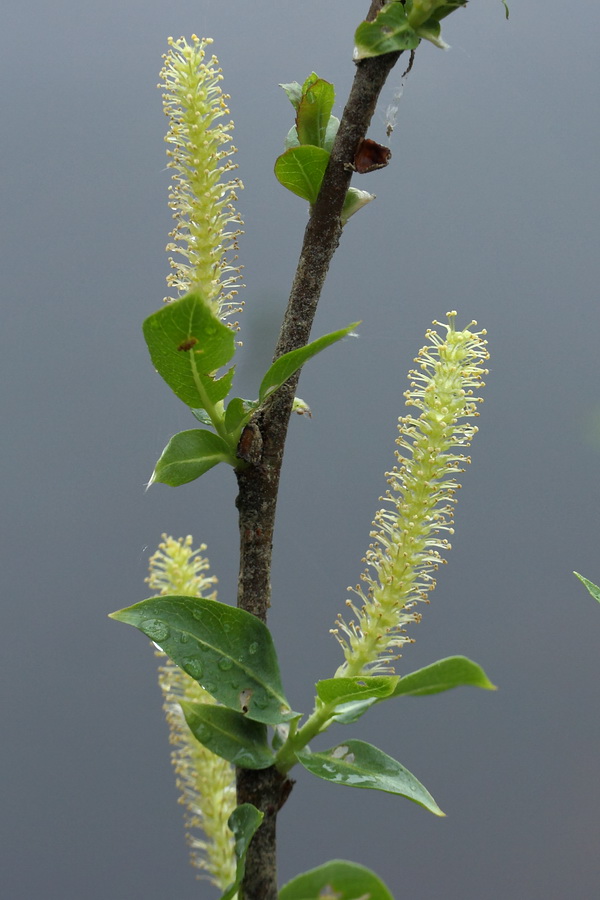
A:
258,484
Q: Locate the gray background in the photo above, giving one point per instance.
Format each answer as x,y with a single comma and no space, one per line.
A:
490,207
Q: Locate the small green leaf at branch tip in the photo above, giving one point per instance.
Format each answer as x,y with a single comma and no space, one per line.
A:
229,734
402,26
443,675
360,765
389,32
284,367
593,589
227,650
187,345
244,822
189,454
338,878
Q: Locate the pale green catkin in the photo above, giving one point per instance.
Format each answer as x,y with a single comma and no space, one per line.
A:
202,194
408,531
205,781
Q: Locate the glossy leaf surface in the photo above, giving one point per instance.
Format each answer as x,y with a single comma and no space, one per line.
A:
243,821
227,650
188,455
284,367
187,343
337,879
360,765
229,734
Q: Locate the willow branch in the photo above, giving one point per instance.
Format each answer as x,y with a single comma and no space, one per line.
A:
258,484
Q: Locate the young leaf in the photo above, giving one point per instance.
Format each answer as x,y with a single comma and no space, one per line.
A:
348,713
338,878
284,367
202,416
227,650
333,691
301,170
229,734
244,822
443,675
360,765
455,671
353,201
331,132
237,413
314,111
189,454
294,92
186,342
387,33
592,588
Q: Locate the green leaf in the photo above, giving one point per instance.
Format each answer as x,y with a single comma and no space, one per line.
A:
337,879
301,170
443,675
354,696
358,764
348,713
333,691
238,412
229,734
294,92
331,131
421,12
313,112
187,344
387,33
227,650
592,588
455,671
284,367
425,17
244,822
202,416
188,455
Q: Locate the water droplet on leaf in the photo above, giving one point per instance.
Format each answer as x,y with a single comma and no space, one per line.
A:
193,667
155,629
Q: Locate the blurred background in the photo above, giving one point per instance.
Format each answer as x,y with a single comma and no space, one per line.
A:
490,206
